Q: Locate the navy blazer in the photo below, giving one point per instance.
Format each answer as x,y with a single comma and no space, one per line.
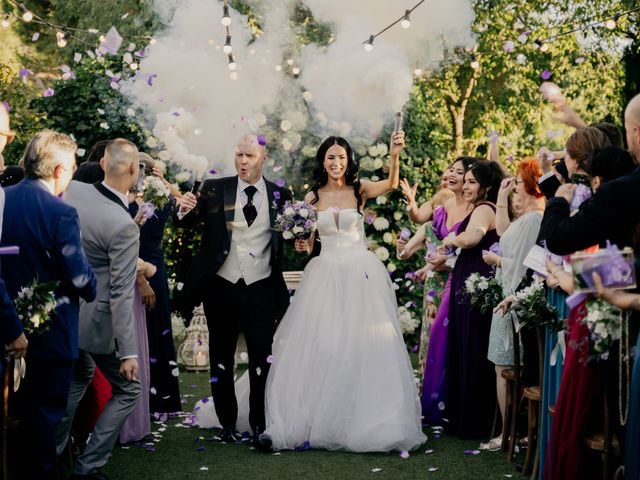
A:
10,326
48,233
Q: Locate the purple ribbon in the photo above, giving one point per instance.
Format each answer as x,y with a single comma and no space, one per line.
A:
12,250
576,299
581,194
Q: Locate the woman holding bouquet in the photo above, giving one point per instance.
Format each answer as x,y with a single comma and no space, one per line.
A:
340,376
470,378
516,239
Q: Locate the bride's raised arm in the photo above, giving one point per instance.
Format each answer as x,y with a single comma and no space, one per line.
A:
370,189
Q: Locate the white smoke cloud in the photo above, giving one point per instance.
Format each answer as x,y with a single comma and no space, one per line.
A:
199,110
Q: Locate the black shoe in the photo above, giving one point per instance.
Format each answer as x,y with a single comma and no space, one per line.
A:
96,475
229,435
262,442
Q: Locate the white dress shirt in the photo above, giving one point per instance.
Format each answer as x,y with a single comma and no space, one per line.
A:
120,195
257,197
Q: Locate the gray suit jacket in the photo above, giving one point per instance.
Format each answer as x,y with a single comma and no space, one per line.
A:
111,242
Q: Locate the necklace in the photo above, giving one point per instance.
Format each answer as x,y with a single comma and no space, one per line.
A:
623,362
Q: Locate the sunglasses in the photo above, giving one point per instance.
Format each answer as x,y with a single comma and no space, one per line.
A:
10,134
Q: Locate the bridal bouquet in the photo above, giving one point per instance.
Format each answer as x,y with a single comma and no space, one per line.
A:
296,220
155,195
605,327
35,304
532,307
485,293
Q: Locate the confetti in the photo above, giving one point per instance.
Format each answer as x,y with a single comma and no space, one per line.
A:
166,331
376,470
404,454
280,182
35,36
49,92
429,452
433,469
204,468
153,390
270,359
545,75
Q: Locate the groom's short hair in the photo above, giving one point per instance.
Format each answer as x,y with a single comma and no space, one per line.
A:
41,157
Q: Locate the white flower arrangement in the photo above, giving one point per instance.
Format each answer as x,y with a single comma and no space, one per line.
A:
156,192
381,223
605,327
378,163
178,329
408,323
484,293
35,304
382,253
387,238
381,200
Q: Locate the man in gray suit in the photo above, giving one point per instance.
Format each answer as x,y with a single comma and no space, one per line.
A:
107,337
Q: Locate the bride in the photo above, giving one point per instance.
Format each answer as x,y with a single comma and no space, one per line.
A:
340,376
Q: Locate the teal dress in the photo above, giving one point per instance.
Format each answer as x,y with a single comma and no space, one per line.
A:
631,457
552,373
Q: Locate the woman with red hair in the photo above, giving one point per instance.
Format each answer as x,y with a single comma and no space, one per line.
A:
516,239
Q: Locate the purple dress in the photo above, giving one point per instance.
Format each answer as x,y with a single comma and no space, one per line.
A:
433,388
138,424
471,379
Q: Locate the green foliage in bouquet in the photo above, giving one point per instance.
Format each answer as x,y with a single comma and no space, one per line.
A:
155,192
605,328
534,310
484,293
35,304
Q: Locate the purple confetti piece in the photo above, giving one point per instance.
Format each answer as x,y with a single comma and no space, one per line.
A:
176,114
213,379
270,359
509,46
49,92
366,275
7,107
546,75
166,331
153,390
35,36
213,171
404,454
276,195
24,72
280,182
150,80
12,250
415,349
112,42
277,168
153,360
205,400
262,140
510,158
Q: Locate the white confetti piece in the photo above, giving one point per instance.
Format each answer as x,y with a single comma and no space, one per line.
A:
433,469
376,470
204,469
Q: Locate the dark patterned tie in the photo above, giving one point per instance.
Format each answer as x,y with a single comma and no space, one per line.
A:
250,212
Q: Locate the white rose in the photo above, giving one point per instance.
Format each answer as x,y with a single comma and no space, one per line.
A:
391,268
183,177
298,229
152,142
35,319
382,253
372,151
288,212
381,200
382,149
378,163
287,235
397,215
303,212
381,223
483,284
387,237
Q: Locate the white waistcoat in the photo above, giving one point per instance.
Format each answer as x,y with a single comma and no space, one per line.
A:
250,251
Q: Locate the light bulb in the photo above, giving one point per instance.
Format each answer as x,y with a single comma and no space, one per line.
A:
610,24
133,66
406,23
27,16
227,45
295,71
417,72
232,63
544,47
368,45
226,19
6,23
475,64
62,42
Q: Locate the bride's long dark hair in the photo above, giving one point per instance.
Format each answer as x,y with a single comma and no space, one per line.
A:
321,177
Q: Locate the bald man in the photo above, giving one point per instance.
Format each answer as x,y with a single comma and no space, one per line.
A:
107,334
237,274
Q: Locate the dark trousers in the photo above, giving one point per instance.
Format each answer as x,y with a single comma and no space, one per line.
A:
231,309
40,403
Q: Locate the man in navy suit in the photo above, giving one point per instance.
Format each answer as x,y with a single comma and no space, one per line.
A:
48,233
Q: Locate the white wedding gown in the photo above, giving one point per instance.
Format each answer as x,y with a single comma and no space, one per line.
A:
341,376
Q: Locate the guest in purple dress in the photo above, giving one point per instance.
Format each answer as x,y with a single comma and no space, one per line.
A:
446,220
471,396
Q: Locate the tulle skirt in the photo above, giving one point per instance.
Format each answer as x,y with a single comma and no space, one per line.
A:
341,376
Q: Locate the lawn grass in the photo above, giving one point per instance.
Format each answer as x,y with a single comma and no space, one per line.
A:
180,452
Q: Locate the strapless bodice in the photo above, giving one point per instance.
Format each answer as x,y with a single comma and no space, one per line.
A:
341,229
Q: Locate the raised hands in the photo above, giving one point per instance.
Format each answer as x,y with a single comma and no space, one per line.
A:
409,192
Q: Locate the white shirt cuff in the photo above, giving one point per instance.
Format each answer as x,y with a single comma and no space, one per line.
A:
127,357
181,214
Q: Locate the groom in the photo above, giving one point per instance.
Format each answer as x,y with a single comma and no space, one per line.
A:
237,274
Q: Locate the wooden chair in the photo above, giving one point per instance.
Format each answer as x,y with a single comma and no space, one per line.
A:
604,442
512,376
534,413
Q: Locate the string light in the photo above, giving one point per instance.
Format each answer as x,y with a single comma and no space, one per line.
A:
27,15
227,45
475,64
610,24
6,23
403,21
226,19
368,45
62,39
232,62
406,22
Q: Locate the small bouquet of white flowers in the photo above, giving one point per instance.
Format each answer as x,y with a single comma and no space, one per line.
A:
296,220
485,293
155,195
408,323
35,304
605,327
532,307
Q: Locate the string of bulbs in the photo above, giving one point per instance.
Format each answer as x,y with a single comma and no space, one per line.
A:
543,44
227,48
63,32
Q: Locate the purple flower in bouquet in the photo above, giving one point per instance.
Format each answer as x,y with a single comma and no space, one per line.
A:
405,234
432,251
581,194
296,220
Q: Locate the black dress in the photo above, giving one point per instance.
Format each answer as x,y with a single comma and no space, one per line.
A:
165,392
471,381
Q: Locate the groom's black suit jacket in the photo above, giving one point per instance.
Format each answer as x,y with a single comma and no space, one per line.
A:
216,207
